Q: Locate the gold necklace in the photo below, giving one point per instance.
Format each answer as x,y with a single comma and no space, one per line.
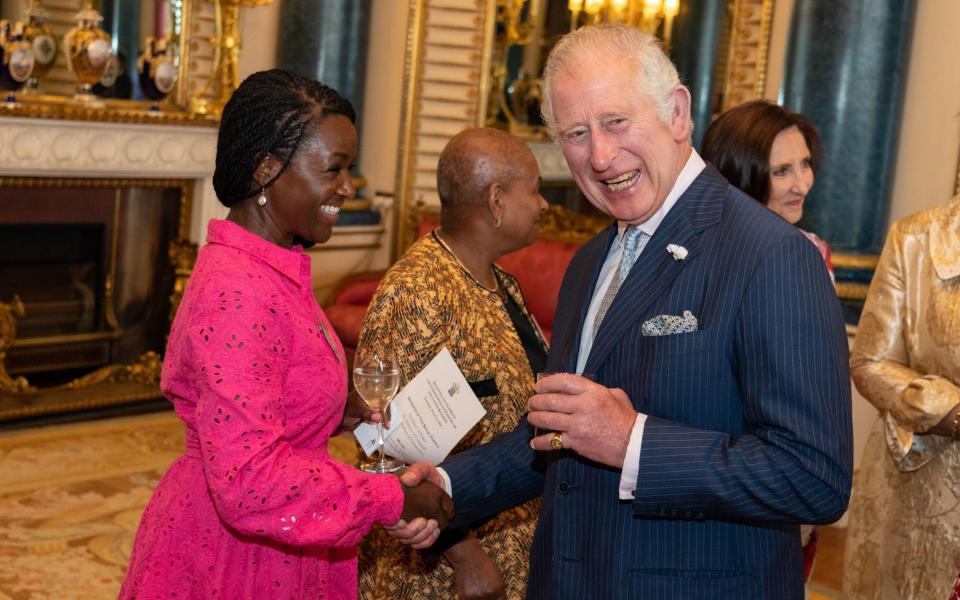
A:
493,290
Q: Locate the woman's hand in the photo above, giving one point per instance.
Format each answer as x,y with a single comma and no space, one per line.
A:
357,411
476,575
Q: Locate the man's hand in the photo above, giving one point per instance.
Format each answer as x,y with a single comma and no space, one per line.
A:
357,411
420,471
476,575
594,421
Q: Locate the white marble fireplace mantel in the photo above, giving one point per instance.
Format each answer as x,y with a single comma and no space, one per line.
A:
62,148
92,149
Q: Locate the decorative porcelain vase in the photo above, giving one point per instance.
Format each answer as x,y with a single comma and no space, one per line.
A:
88,51
44,43
16,59
156,71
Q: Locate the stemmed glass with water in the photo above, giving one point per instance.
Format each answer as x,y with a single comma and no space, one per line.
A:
376,378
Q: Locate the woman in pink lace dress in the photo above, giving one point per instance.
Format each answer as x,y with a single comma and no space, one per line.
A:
255,507
771,154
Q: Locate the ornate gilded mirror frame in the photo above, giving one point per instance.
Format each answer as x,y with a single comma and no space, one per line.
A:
206,39
448,69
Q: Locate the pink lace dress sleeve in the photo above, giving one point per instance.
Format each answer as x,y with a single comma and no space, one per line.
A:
267,468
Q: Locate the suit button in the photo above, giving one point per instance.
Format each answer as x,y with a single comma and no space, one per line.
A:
701,516
661,511
563,487
674,512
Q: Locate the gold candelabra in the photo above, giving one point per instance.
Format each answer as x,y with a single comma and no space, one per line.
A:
226,45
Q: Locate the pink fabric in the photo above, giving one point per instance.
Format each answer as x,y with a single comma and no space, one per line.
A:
823,247
255,507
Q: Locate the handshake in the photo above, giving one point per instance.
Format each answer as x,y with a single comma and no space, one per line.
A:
427,509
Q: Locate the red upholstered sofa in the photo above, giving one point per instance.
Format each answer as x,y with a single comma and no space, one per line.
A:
539,268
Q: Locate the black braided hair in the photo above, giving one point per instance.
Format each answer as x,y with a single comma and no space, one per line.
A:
268,114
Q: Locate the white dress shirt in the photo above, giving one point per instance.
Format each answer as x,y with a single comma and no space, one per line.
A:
631,460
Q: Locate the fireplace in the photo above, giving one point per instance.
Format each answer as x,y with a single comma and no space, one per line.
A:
88,277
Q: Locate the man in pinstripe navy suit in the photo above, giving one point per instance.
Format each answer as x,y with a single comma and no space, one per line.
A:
718,415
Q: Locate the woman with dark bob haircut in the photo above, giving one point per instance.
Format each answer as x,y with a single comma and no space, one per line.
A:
255,507
771,154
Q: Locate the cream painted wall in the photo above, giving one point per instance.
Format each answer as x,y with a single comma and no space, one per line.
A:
930,134
258,32
383,101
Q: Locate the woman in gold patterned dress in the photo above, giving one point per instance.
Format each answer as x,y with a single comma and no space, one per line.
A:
447,291
904,535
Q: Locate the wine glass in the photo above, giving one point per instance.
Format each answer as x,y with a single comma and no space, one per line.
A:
376,378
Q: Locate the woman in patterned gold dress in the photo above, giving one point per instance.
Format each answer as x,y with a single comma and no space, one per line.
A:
904,534
446,291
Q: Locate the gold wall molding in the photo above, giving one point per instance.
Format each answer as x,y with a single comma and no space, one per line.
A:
117,111
746,74
866,262
852,291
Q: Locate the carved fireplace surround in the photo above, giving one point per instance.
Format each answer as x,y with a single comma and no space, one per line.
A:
51,153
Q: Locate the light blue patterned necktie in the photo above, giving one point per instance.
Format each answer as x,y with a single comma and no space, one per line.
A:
631,240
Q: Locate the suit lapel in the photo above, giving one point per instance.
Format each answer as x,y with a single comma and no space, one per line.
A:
568,321
653,273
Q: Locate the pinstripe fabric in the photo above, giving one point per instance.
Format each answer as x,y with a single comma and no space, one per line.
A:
749,429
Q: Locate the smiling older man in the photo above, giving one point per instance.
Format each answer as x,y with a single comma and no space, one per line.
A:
717,414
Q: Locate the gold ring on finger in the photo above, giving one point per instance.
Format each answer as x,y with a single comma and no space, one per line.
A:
556,442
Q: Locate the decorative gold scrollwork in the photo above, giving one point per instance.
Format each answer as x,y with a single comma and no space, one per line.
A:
9,313
146,371
183,255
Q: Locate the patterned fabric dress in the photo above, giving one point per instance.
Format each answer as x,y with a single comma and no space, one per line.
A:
904,535
255,507
427,301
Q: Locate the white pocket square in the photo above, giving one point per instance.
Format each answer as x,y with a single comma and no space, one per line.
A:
670,324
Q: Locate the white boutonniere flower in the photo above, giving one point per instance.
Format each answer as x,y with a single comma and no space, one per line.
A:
678,252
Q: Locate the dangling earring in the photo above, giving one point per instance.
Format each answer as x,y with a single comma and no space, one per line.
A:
496,224
262,200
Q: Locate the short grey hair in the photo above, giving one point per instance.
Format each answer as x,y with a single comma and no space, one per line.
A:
655,75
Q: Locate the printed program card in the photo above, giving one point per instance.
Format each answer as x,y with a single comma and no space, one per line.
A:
429,416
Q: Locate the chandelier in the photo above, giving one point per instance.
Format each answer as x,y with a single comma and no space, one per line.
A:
647,15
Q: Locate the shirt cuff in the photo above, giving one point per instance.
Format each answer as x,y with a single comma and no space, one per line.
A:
449,488
631,460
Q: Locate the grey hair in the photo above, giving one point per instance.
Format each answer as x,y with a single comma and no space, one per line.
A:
655,75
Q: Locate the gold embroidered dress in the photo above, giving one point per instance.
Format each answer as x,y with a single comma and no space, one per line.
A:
427,301
904,534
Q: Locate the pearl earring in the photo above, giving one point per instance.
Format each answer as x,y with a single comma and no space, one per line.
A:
496,223
262,200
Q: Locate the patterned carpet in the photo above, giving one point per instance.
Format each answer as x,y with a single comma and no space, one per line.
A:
71,497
